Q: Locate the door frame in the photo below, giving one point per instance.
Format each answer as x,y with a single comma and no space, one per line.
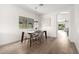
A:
69,24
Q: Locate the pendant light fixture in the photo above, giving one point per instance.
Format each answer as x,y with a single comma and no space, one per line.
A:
40,5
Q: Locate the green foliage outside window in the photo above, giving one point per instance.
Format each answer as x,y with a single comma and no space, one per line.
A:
61,26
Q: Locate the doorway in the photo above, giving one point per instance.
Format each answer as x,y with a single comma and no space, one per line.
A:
63,24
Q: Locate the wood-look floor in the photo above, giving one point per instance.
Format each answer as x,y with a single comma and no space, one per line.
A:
51,46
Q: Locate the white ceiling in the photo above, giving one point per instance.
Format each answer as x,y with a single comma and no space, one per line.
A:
47,8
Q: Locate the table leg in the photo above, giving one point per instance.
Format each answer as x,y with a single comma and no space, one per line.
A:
22,37
45,34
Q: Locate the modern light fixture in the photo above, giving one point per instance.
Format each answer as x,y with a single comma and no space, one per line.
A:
40,5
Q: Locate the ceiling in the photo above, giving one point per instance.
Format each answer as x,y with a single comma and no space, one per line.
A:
47,8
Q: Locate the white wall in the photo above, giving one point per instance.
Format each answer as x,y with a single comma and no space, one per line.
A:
48,23
74,35
9,22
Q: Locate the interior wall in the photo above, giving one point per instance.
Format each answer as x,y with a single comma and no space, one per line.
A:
48,23
75,26
9,22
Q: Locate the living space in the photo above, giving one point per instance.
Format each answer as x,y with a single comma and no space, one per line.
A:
39,28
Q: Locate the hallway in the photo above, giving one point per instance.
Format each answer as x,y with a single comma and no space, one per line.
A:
62,37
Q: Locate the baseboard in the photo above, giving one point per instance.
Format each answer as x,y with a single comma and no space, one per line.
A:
77,52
